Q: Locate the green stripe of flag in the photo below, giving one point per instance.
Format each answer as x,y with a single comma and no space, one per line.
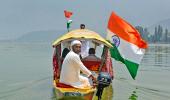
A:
132,67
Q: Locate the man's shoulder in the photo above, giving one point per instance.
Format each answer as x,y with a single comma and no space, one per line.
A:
92,58
72,54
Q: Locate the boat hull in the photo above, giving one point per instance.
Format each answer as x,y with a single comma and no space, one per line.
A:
85,94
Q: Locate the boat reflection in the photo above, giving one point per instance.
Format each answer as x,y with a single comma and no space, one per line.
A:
133,96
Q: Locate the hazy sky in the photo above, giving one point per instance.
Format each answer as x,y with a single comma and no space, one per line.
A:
18,17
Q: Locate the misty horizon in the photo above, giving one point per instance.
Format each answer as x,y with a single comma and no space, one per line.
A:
21,16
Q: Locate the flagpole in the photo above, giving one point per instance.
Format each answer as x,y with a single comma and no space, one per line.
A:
68,29
67,24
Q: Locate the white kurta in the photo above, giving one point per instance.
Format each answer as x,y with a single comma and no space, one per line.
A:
70,71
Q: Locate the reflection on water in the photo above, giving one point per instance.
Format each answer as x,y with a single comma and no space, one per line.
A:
152,81
53,94
133,96
26,74
157,55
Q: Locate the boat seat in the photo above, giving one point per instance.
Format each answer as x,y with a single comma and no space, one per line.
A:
62,85
92,65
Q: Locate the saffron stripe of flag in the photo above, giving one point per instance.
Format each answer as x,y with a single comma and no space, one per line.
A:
67,14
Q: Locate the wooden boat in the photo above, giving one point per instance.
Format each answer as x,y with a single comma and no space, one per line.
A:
95,66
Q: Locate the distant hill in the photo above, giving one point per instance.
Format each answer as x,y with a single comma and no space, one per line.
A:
164,23
41,36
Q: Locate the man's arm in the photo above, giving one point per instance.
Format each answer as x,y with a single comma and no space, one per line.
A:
85,70
81,65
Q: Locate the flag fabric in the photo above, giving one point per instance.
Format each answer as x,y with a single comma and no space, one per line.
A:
68,23
128,46
67,14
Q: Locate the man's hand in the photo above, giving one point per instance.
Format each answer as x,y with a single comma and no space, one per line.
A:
93,79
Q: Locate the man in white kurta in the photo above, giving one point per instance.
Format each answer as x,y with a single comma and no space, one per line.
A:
71,67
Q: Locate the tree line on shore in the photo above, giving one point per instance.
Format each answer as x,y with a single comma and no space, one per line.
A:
160,34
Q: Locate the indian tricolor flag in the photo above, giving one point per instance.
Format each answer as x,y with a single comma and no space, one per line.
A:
68,14
129,47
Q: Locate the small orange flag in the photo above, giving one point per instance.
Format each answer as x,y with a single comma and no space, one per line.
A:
67,14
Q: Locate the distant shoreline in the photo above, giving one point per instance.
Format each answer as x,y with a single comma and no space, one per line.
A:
12,41
159,44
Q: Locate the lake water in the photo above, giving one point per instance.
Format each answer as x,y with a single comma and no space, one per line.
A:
26,74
